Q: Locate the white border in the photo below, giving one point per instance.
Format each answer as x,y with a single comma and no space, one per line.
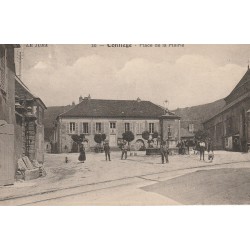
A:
215,22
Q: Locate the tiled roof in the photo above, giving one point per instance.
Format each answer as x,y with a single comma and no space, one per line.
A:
226,107
115,109
23,92
245,79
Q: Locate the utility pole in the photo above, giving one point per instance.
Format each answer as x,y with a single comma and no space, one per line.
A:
19,61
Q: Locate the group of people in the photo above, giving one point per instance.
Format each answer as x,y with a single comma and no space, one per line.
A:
124,149
205,145
199,146
82,156
184,146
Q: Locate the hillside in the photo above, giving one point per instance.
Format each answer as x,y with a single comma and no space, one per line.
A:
196,114
50,115
200,113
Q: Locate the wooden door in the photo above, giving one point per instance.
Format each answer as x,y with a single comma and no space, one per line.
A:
7,167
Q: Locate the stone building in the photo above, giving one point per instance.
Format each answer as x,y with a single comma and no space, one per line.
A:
230,128
21,121
7,114
29,123
111,117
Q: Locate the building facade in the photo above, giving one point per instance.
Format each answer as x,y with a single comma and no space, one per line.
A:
109,117
29,123
230,128
7,114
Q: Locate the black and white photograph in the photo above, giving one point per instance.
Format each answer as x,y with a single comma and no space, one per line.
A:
124,124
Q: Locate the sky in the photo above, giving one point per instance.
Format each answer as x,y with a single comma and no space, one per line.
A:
185,76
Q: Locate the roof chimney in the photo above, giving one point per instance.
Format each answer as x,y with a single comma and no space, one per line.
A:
138,99
80,99
73,103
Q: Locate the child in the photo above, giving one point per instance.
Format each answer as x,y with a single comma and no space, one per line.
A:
210,156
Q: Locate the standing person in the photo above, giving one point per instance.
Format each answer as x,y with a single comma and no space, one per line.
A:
82,156
182,147
179,147
107,151
187,145
164,152
202,149
124,150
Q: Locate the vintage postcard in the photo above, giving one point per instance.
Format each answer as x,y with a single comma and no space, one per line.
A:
124,124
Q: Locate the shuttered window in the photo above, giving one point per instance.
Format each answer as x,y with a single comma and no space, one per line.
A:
72,127
85,128
127,127
191,128
151,128
98,127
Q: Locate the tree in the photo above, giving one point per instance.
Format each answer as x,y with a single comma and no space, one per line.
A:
128,136
77,140
145,135
201,135
99,138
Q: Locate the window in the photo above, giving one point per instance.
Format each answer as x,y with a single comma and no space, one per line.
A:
151,128
2,70
140,127
191,128
112,125
98,127
85,128
127,127
72,127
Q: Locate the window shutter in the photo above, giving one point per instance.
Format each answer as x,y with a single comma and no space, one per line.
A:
80,128
143,126
140,128
89,128
156,127
93,131
146,126
106,128
76,124
67,127
120,128
102,127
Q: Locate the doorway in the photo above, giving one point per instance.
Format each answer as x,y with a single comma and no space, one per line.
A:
112,141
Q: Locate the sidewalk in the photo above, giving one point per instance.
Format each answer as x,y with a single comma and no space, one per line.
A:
95,170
